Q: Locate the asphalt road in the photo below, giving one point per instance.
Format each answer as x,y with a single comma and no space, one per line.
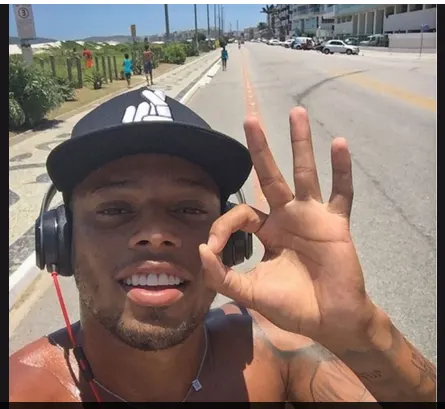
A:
385,107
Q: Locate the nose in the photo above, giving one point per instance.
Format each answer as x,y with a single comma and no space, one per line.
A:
155,232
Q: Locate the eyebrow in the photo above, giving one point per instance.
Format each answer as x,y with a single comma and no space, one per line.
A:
131,184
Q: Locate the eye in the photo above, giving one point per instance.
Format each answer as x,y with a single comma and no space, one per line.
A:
113,211
190,211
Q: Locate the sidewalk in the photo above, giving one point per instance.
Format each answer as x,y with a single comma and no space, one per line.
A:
28,180
392,54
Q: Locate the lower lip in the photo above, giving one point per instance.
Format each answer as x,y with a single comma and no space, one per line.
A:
161,296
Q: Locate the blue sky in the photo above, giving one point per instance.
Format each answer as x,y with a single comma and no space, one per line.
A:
75,21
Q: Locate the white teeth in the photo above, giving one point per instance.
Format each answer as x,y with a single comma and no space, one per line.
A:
152,280
163,279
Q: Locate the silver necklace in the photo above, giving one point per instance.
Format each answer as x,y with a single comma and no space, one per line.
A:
196,385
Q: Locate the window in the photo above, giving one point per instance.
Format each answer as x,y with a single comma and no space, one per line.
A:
415,7
389,11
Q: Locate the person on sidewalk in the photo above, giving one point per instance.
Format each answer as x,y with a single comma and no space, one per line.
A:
224,58
128,68
88,58
147,56
149,236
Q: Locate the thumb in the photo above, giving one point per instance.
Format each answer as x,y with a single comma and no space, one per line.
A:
225,280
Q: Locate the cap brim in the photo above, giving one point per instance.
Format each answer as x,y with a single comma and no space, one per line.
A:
226,160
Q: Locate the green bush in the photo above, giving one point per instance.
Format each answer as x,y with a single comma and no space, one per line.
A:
190,49
67,88
174,54
16,114
35,91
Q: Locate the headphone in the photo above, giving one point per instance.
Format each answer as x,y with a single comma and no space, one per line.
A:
53,234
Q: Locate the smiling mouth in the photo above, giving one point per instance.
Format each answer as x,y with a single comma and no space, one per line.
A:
153,280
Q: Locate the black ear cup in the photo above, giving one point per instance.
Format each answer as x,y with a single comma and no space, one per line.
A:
239,247
64,226
53,241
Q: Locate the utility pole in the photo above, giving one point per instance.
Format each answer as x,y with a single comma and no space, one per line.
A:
237,29
167,24
222,20
208,25
196,27
219,21
214,18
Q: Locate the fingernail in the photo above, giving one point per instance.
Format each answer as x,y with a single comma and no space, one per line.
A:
213,242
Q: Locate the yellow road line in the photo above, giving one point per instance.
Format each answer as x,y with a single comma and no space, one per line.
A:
388,89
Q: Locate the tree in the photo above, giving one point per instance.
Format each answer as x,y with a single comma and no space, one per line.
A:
262,26
270,11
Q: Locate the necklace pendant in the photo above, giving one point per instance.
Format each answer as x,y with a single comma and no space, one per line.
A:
196,385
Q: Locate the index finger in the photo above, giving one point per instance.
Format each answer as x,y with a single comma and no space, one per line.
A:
273,185
241,217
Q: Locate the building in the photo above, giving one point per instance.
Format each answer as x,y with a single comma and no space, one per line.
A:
369,19
312,19
283,23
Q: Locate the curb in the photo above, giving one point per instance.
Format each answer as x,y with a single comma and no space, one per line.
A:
21,279
106,98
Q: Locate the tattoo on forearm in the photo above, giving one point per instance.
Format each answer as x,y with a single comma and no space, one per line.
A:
426,369
369,376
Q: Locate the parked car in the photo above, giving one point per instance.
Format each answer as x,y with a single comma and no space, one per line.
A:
298,41
352,41
338,46
274,41
288,43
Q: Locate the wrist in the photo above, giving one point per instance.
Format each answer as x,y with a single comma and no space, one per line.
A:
374,334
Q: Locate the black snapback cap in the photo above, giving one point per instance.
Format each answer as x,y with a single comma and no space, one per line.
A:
147,121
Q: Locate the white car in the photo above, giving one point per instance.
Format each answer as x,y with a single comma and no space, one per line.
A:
288,43
273,41
338,46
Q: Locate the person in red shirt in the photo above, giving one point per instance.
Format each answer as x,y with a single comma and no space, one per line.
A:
88,58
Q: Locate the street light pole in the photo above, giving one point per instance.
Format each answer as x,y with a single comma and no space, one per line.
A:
196,27
214,18
167,24
219,21
208,25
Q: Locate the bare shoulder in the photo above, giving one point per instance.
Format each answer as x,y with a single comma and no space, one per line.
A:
309,371
38,372
230,318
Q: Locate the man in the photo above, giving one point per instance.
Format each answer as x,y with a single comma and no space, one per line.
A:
88,58
147,240
148,64
127,66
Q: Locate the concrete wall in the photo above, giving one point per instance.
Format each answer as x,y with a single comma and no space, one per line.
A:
410,21
411,41
343,28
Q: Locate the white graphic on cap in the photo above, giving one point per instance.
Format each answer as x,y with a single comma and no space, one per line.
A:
153,109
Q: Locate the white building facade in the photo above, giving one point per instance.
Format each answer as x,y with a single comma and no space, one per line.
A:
369,19
312,19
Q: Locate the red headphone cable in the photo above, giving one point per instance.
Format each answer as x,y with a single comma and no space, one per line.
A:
77,349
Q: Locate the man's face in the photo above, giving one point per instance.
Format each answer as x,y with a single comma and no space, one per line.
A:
139,216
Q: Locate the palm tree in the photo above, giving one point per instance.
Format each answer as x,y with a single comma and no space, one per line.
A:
167,23
269,11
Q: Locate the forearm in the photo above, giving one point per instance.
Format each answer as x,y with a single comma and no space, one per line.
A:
390,367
